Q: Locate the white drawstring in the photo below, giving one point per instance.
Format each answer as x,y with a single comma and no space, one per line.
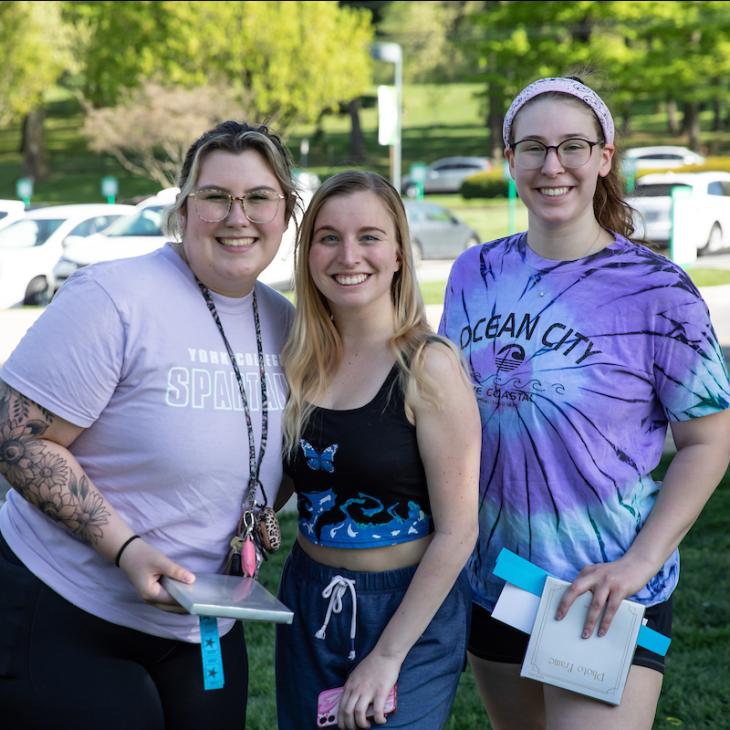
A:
334,591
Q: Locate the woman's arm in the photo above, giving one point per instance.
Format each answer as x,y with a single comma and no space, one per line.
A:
35,459
449,440
286,489
703,451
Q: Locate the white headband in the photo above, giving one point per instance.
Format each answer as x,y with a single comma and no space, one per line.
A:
563,86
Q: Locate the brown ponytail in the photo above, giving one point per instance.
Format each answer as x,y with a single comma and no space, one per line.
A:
611,210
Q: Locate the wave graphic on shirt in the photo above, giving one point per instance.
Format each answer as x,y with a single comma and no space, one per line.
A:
360,521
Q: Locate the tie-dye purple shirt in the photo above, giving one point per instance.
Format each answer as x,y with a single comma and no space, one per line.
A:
578,366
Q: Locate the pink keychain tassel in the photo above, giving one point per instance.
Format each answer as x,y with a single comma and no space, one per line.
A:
248,557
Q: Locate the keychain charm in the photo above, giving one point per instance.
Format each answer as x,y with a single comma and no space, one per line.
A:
248,549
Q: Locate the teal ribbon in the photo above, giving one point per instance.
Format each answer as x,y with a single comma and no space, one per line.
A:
210,649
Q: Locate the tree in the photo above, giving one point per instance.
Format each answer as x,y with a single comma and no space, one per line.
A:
521,41
649,51
687,46
34,51
152,127
290,60
430,35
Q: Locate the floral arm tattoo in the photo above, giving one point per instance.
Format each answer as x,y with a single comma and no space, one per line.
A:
39,471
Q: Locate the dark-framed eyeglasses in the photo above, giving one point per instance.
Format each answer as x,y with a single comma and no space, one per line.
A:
260,206
531,154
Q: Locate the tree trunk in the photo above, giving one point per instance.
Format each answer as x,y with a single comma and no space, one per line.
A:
691,124
357,139
716,115
495,119
33,147
626,123
672,123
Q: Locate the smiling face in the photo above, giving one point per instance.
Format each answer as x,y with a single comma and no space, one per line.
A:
555,195
354,253
229,255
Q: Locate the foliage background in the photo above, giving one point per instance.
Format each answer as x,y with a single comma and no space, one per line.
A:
305,68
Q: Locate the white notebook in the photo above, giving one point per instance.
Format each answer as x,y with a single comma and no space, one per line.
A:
228,596
557,655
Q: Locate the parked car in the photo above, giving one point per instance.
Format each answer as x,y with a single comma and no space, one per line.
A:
133,235
10,210
446,175
662,156
142,233
710,203
436,233
31,246
306,181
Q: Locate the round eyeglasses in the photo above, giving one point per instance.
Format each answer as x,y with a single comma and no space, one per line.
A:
531,154
260,206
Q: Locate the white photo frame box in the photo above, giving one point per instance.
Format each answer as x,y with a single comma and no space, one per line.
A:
558,655
228,596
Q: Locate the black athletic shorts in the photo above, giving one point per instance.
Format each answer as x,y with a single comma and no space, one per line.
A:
497,642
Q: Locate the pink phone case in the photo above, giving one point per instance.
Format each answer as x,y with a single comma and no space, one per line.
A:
329,702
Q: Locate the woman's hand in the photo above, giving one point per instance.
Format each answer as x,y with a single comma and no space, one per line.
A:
145,565
368,684
610,583
700,461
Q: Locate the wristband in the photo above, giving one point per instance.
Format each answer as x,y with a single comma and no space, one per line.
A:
123,548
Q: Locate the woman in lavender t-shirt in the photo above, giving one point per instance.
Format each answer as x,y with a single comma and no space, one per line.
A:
583,346
126,416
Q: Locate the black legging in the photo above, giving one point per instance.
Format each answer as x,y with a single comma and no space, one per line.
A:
61,667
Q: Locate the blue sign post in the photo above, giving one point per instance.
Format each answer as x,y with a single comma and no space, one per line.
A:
511,200
109,188
417,174
628,170
24,190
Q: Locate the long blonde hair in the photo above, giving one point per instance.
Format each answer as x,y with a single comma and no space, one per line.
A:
313,350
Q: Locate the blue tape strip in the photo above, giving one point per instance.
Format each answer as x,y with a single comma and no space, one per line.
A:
210,649
653,641
520,572
526,575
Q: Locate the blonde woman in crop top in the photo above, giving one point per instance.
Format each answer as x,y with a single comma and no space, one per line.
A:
382,448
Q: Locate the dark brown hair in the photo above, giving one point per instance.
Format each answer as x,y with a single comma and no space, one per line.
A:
232,137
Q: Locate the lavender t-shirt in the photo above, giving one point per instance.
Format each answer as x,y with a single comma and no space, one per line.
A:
129,351
578,367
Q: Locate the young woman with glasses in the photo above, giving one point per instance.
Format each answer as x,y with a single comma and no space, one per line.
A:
583,346
134,423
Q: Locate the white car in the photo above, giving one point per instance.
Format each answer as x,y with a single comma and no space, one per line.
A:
710,192
31,246
661,156
142,233
133,235
10,210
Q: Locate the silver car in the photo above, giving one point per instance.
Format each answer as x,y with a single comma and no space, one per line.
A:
436,233
446,175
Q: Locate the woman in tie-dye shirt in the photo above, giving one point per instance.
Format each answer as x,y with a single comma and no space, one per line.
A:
583,347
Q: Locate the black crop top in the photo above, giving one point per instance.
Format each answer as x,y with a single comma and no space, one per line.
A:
358,475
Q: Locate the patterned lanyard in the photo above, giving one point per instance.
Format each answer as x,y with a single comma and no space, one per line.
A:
248,501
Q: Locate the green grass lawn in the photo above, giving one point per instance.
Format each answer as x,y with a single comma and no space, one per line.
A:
696,692
438,121
433,291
